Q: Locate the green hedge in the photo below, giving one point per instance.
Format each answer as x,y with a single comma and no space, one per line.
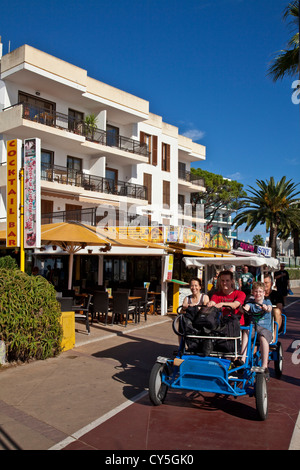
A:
293,273
29,316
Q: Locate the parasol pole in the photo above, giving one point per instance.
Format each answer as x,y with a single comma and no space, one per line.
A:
71,260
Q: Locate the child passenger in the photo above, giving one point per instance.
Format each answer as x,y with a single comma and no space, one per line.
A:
261,310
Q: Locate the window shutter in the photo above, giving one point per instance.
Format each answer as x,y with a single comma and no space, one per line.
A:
148,184
168,158
154,150
166,194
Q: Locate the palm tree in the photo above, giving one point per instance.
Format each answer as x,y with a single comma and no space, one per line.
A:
272,204
258,240
286,62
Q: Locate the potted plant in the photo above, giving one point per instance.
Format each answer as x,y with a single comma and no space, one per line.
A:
90,122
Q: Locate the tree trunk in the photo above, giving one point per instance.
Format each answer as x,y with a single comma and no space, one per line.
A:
272,240
295,235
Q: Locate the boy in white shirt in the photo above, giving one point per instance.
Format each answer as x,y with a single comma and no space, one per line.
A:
261,310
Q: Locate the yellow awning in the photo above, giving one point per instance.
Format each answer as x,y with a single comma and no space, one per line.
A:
207,254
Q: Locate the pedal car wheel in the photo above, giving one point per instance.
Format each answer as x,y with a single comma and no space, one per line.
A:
261,395
158,389
278,362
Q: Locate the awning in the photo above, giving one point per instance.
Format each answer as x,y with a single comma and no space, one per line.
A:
77,233
205,254
257,261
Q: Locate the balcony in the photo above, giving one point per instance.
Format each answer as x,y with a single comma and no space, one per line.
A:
189,177
62,175
85,216
88,216
67,123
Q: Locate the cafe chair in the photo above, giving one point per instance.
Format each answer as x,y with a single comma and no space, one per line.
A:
66,304
143,304
68,293
100,305
100,287
120,306
82,311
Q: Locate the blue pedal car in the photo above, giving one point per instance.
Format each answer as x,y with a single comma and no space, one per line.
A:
217,372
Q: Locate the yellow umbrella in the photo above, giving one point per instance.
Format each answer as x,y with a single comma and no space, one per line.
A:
71,237
65,234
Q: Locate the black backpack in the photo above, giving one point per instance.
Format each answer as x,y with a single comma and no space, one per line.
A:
229,326
200,321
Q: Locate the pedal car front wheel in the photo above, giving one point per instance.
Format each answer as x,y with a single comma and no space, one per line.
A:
261,395
158,389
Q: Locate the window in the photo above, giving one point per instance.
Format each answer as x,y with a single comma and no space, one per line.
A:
166,194
181,171
181,201
74,166
37,109
151,142
165,157
112,136
47,160
112,180
75,120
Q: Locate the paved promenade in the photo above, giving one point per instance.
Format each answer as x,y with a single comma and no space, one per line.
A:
45,402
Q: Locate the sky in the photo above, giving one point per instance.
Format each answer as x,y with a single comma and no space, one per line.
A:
201,64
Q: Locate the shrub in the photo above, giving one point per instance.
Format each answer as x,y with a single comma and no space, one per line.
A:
294,273
8,262
29,316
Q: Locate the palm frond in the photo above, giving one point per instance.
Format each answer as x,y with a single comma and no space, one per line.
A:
286,61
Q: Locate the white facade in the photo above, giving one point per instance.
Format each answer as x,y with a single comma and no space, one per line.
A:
42,96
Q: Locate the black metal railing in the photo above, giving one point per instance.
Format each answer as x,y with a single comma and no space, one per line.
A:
63,175
62,121
190,177
89,216
85,216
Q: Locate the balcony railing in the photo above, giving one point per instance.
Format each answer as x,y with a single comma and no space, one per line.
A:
89,216
190,177
60,174
68,123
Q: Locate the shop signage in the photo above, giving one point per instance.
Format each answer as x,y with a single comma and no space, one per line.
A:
220,242
249,248
32,193
14,148
162,234
168,268
238,244
264,250
195,237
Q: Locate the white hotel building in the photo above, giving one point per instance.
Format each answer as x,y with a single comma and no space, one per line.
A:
131,159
